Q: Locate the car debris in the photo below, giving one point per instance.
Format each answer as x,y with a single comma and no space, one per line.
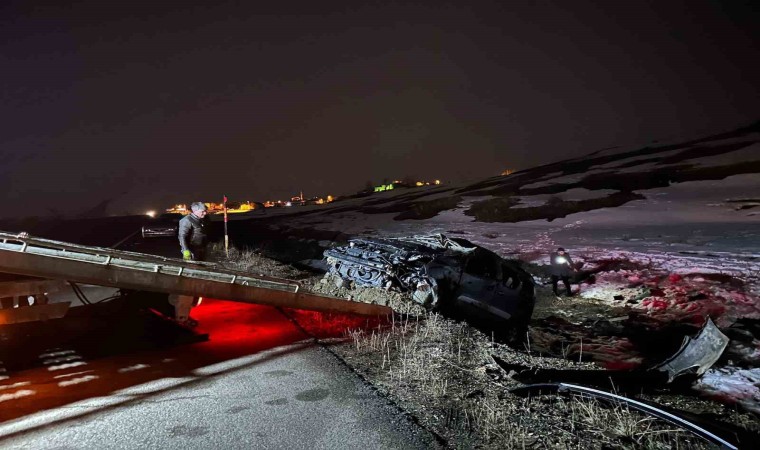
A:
695,355
440,273
692,360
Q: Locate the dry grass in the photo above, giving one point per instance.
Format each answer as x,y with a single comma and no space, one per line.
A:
617,425
247,260
440,370
429,359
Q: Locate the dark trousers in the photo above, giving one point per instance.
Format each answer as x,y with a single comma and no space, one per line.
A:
199,253
565,281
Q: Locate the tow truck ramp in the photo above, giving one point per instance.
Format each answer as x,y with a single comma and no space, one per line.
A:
49,259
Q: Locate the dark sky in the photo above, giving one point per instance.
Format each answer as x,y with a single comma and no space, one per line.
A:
147,103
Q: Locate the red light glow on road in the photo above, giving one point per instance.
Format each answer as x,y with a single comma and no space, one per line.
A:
235,330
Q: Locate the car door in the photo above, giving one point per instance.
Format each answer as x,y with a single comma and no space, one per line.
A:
480,283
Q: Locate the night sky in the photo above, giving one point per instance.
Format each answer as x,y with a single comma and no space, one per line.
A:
150,103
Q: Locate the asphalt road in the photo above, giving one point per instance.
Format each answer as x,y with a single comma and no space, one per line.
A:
296,396
258,381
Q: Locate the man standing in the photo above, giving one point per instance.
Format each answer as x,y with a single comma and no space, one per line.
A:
192,236
192,242
561,268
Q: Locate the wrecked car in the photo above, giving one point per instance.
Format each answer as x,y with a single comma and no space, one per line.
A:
451,275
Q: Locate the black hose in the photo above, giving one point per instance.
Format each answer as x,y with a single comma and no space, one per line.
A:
80,295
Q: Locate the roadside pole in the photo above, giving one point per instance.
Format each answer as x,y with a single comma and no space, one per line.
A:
226,237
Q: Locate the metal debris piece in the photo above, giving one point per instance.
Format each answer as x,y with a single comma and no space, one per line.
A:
437,241
620,380
696,355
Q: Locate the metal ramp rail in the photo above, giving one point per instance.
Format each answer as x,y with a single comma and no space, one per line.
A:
25,255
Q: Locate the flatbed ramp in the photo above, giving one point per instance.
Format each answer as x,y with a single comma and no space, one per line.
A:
23,255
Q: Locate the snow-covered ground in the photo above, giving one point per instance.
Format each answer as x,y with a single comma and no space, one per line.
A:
688,220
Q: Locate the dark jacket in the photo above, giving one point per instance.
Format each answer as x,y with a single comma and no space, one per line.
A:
559,267
192,235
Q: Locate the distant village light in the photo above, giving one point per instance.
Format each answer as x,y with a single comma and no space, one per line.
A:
384,187
246,206
151,214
